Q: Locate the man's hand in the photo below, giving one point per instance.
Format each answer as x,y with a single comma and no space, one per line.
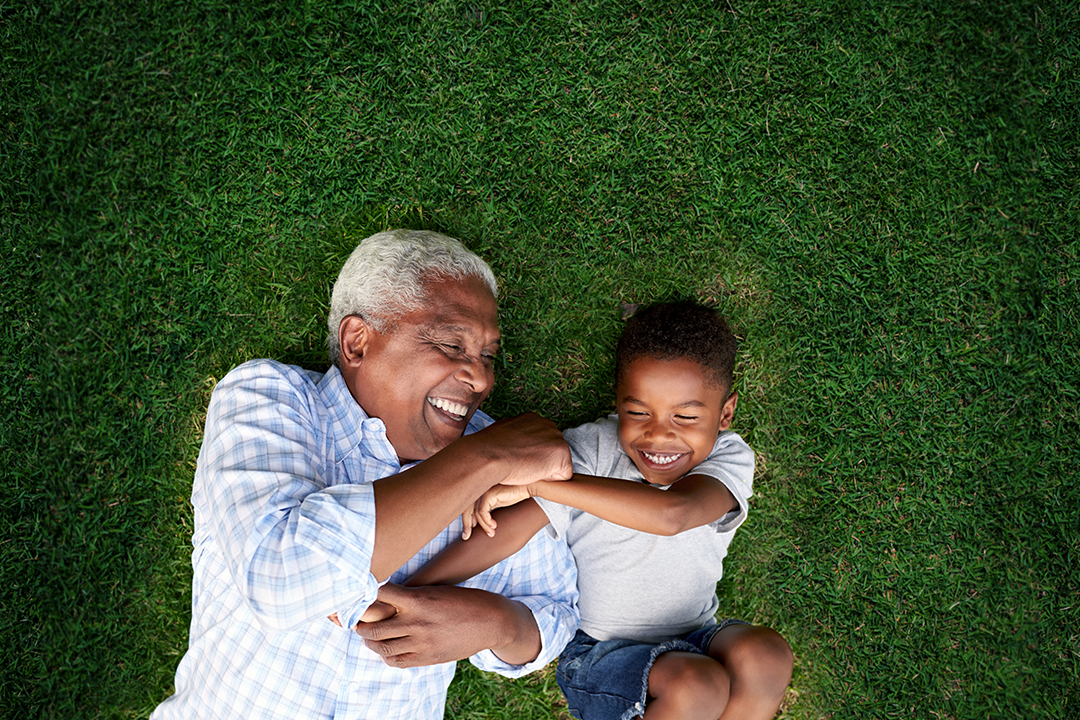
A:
376,611
442,624
532,448
497,497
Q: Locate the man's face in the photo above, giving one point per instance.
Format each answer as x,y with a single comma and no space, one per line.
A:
670,413
427,375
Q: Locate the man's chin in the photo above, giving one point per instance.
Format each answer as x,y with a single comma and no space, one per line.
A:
422,450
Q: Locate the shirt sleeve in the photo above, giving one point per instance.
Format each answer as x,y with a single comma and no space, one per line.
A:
732,463
586,446
296,547
543,577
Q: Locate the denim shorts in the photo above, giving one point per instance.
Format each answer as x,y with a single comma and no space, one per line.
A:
609,679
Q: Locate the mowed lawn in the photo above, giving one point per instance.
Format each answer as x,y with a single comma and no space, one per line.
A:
881,196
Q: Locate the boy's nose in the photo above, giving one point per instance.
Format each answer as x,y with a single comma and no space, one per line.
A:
657,428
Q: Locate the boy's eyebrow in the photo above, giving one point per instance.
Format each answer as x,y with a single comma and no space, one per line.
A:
688,403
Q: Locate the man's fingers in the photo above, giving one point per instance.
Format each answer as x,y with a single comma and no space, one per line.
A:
396,595
399,660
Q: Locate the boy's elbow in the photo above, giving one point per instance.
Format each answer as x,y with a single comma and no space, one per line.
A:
672,520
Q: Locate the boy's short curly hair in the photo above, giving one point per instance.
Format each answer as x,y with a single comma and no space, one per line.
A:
680,329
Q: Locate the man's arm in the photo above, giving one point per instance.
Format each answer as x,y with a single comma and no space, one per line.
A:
461,560
414,506
516,630
301,547
436,624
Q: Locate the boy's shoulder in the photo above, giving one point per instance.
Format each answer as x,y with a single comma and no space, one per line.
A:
603,427
594,447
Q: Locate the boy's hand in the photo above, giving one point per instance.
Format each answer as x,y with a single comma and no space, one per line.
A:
497,497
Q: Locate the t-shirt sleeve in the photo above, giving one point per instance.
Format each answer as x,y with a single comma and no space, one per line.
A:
732,463
585,446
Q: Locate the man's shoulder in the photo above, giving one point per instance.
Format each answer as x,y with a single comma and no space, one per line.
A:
265,380
253,371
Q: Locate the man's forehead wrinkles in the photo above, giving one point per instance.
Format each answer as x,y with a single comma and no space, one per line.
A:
452,327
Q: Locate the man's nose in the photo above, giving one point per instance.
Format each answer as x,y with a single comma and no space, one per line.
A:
474,373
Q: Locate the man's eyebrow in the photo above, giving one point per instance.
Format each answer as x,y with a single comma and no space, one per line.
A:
443,329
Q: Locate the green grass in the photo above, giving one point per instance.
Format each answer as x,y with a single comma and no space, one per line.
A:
882,197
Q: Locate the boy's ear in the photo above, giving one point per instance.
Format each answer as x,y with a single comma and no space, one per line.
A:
354,335
727,412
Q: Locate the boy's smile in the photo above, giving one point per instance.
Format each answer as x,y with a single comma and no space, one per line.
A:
670,412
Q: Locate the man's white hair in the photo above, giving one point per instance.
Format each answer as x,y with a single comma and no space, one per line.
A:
386,275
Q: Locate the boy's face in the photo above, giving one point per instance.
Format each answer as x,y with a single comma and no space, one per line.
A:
669,416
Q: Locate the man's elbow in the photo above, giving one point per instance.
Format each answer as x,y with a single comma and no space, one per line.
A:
271,612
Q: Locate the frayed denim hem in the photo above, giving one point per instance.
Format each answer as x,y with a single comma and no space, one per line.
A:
638,709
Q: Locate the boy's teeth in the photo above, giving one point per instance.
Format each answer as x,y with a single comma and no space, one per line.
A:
451,407
661,459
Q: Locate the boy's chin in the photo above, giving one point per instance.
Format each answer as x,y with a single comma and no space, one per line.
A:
653,478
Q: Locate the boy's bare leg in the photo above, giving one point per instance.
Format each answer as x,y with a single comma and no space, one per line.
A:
686,686
759,663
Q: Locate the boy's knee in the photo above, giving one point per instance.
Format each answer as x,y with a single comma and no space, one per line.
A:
695,682
758,656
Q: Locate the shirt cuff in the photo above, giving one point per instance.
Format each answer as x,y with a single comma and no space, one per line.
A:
553,638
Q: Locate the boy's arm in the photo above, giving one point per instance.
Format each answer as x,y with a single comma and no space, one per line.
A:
461,559
689,502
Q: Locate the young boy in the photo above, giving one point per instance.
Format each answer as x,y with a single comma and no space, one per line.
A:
656,497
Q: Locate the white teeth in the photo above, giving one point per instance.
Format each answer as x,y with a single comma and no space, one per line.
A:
451,407
662,459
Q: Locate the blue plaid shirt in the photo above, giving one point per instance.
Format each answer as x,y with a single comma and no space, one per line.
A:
284,530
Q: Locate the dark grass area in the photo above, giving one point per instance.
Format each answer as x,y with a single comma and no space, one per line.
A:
882,197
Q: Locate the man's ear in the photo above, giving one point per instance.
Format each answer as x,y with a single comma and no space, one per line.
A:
727,412
354,335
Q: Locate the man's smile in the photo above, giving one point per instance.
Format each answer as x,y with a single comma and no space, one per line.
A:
454,410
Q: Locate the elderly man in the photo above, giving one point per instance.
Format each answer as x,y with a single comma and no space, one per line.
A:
309,496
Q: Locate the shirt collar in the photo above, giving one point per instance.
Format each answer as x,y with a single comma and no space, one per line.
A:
350,425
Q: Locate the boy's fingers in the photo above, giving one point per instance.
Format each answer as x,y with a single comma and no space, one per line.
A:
487,523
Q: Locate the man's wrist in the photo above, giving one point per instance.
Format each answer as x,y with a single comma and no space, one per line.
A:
518,639
488,464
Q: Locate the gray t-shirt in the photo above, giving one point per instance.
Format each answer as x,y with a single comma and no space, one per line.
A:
638,586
